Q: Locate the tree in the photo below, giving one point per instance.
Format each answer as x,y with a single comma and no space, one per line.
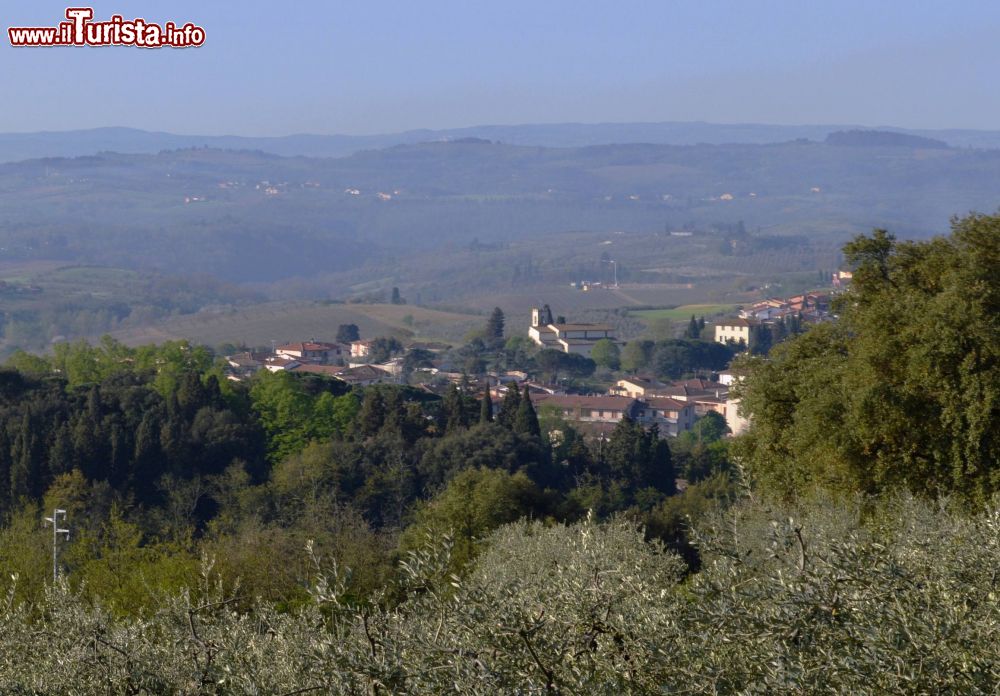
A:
474,503
546,315
693,330
373,413
486,408
453,410
902,391
495,325
417,358
510,406
397,299
526,420
637,355
348,333
606,354
383,348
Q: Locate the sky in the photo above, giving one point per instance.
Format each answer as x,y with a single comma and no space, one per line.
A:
374,66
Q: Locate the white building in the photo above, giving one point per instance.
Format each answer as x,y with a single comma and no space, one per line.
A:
735,330
568,338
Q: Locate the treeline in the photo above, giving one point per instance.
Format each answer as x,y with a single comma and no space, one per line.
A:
153,446
900,392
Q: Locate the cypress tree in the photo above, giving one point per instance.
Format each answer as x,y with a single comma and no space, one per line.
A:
372,415
693,331
486,408
509,407
526,422
453,410
495,325
20,468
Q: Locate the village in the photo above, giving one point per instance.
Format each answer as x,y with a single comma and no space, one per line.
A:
672,406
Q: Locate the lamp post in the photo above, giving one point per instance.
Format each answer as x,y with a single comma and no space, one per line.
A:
57,514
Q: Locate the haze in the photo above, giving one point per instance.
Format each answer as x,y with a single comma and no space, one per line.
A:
360,68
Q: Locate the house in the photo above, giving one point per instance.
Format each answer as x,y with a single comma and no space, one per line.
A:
312,351
280,364
361,349
841,279
589,409
733,330
247,361
671,416
365,375
636,386
325,370
568,338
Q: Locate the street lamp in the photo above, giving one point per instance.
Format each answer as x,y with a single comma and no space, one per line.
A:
56,531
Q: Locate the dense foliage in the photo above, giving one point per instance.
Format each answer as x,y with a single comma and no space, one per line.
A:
904,390
788,602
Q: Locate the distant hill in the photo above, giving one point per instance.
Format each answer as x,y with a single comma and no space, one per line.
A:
21,146
874,138
256,217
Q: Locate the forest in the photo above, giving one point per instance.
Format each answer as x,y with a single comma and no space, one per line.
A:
292,535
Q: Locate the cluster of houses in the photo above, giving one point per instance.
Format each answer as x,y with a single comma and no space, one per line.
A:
317,357
671,406
808,308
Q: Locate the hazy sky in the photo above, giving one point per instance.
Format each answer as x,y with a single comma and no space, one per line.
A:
272,68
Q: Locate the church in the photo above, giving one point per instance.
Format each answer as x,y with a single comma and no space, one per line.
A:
568,338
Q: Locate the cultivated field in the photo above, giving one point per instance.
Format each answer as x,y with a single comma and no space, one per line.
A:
259,325
682,313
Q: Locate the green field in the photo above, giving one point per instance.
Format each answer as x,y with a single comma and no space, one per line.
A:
682,313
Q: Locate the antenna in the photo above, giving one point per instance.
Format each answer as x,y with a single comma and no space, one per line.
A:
56,531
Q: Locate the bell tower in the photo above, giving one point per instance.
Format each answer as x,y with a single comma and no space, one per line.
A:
536,316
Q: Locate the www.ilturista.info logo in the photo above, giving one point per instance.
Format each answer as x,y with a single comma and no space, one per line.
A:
80,30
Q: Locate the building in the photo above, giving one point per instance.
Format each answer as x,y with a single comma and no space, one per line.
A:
589,409
600,413
361,349
636,386
365,375
733,330
568,338
737,423
312,351
671,416
279,364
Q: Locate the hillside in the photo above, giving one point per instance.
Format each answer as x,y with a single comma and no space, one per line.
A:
21,146
252,217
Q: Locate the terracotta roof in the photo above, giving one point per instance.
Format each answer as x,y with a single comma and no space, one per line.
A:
362,373
662,403
280,362
732,322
